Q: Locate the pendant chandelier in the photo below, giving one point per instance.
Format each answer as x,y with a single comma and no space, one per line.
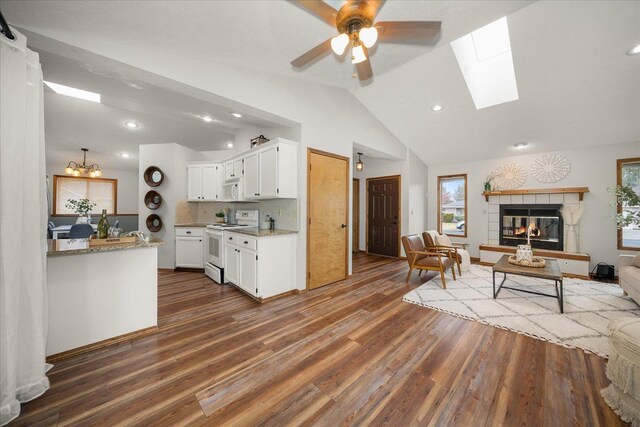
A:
359,165
76,170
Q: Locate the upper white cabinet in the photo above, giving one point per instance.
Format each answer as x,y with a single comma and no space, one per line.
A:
233,169
194,182
203,182
272,172
251,176
266,172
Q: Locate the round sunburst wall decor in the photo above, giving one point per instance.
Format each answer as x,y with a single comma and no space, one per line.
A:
549,168
510,176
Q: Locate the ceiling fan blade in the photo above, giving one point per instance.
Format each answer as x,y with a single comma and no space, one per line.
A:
319,8
375,6
313,54
364,68
390,30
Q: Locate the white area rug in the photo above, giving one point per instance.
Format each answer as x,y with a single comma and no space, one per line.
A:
588,306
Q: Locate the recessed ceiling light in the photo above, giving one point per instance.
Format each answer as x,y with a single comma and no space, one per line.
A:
207,119
520,145
131,125
229,144
236,115
436,107
125,155
634,50
73,92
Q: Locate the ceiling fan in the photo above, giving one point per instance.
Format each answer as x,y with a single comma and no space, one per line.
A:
355,23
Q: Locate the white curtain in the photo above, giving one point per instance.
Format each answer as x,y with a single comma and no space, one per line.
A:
23,219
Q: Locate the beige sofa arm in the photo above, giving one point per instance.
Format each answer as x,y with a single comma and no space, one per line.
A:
625,260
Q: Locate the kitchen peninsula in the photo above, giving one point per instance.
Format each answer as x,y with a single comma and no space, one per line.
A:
100,295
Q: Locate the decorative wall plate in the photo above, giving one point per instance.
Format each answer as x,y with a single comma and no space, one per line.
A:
154,223
153,176
152,200
550,168
510,176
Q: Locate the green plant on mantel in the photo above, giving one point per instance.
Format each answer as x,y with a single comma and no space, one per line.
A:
220,214
80,206
626,197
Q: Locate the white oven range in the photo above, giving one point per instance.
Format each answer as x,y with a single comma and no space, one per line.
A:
214,243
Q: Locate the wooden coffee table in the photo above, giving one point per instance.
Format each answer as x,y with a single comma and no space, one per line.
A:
551,271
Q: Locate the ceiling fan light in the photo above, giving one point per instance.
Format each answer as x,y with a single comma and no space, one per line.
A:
368,36
339,43
357,54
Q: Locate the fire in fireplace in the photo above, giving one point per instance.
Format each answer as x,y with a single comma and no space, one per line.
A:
541,223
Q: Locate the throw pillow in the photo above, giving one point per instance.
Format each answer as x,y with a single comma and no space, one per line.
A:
636,260
443,240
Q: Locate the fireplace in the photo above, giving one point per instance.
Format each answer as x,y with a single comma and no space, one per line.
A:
543,222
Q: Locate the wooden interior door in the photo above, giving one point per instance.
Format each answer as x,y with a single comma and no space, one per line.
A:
383,216
355,215
328,218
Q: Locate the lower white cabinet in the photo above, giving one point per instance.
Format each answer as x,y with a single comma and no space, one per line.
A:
260,266
231,264
190,247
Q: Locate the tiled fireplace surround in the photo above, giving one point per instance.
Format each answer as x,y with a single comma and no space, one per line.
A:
567,199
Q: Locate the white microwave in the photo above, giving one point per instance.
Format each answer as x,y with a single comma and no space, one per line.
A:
232,191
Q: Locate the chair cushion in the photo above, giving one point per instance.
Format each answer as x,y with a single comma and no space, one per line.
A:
443,240
629,273
432,261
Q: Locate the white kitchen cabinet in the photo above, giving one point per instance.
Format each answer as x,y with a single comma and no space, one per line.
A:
190,247
233,169
271,172
210,182
204,182
248,271
251,176
231,263
260,266
238,168
268,171
194,182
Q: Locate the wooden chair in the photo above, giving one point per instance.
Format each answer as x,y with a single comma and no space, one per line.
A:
421,259
448,251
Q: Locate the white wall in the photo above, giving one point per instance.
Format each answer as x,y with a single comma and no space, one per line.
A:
172,160
593,167
417,194
127,186
413,186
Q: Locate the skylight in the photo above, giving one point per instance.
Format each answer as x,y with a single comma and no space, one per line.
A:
76,93
484,57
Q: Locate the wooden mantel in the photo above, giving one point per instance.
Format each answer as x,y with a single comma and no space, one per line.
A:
579,190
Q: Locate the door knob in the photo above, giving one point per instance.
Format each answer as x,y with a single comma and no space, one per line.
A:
343,226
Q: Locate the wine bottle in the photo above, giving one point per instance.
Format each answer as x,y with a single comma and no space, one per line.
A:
103,226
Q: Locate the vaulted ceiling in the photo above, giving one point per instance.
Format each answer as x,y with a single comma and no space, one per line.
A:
576,85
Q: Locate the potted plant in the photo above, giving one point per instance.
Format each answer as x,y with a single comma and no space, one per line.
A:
82,207
220,217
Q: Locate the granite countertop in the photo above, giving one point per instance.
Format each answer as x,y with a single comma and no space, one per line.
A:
62,247
255,232
193,224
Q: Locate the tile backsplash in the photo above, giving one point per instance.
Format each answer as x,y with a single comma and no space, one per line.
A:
284,211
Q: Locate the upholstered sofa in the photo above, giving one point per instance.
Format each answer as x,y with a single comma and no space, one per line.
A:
629,275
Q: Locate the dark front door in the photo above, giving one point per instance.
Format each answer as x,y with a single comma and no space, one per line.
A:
383,213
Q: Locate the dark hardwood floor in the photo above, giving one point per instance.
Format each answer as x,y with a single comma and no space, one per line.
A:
349,353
